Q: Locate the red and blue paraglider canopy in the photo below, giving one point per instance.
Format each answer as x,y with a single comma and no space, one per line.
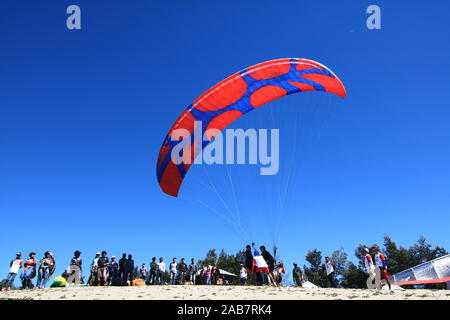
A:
235,96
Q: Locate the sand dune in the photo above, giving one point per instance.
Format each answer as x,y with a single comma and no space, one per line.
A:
219,293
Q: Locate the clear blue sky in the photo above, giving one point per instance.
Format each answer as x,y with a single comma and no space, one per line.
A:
83,115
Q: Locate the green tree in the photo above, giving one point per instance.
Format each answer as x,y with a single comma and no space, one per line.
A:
315,273
339,258
353,277
210,259
422,251
398,258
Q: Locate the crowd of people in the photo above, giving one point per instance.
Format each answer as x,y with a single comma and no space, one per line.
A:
31,267
259,267
105,271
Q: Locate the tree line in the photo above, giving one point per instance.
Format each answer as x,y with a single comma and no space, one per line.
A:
348,273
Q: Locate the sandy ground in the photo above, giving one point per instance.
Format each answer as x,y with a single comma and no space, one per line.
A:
220,292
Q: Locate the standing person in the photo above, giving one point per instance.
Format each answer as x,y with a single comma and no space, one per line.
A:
270,262
297,275
130,269
160,270
370,269
123,269
329,266
203,270
215,272
45,265
113,270
102,268
93,277
143,272
14,268
381,270
75,268
208,276
248,258
29,271
260,268
182,268
153,267
243,274
53,264
173,270
193,269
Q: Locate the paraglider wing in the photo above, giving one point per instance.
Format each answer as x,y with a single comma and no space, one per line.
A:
235,96
434,271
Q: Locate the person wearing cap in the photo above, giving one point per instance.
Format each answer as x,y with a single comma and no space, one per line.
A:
14,268
243,274
75,268
29,271
113,269
370,268
45,265
297,275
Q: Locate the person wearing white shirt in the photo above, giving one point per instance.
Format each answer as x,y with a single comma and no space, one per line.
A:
370,269
381,271
14,268
329,266
160,270
173,270
243,274
260,268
